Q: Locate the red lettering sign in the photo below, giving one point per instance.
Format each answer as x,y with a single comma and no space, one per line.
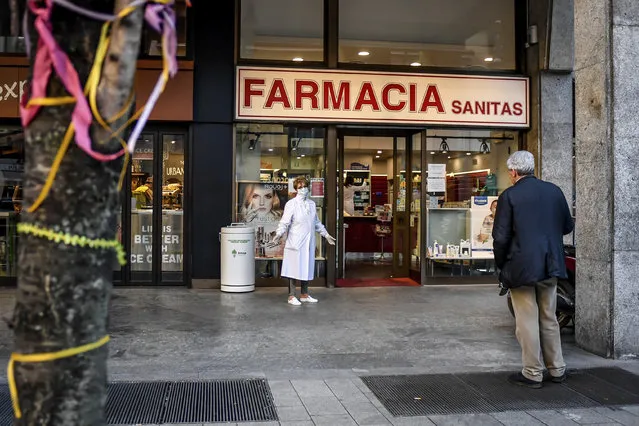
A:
343,99
345,96
386,97
277,94
249,92
306,89
366,97
432,99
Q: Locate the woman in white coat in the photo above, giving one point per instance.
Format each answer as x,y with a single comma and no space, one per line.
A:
301,221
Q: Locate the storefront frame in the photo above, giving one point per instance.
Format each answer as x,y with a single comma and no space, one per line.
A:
124,277
11,279
333,222
331,48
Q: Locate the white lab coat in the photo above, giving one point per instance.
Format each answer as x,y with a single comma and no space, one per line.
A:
300,219
349,199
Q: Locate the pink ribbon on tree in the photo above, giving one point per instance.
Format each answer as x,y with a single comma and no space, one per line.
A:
49,56
161,18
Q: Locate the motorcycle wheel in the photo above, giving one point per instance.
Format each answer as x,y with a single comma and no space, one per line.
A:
566,291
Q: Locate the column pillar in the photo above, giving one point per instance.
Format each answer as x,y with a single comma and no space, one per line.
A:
607,176
550,66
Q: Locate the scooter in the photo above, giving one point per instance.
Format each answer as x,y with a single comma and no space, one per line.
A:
565,291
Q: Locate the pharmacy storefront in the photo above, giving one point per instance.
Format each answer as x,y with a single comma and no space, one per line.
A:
405,168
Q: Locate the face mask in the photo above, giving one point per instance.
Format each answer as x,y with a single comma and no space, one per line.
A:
303,192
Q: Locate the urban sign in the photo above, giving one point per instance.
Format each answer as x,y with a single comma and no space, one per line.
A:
282,94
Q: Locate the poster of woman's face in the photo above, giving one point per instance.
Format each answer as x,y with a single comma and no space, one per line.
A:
262,205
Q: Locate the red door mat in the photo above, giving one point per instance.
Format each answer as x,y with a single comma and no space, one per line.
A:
376,282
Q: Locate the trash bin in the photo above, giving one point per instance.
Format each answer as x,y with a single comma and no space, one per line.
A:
237,253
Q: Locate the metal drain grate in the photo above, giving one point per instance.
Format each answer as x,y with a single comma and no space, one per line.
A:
6,412
608,386
135,402
424,395
141,403
505,397
219,401
617,377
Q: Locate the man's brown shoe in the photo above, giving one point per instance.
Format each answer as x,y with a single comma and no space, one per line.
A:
521,380
558,379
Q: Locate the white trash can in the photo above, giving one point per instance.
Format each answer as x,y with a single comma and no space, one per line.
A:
237,252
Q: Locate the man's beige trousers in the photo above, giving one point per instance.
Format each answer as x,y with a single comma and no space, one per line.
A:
537,329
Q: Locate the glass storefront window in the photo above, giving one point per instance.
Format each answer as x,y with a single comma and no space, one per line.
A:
415,207
12,40
172,249
475,34
11,37
466,173
284,30
11,176
268,158
157,207
142,208
152,40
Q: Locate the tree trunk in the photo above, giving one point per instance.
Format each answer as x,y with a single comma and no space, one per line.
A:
63,291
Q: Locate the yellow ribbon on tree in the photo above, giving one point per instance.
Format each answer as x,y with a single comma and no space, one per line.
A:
43,357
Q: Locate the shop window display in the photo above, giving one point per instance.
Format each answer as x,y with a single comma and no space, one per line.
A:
12,39
154,194
477,34
11,176
268,158
282,30
152,40
467,172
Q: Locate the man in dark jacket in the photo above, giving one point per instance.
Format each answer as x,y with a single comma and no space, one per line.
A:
532,218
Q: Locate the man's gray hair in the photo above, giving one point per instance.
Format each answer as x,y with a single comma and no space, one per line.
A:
522,162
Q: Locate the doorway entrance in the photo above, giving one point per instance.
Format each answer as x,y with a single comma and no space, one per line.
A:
151,225
378,193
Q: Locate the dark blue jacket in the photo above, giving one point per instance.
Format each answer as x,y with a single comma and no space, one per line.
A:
532,218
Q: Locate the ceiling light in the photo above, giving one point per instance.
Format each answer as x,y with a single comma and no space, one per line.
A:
172,141
303,155
298,59
432,153
299,158
364,53
270,150
489,59
449,157
443,147
377,156
416,64
468,153
379,152
483,147
253,142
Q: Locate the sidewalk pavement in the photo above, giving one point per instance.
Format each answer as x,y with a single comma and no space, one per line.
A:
313,355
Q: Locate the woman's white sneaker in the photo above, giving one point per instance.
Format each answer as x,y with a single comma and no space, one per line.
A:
308,299
293,301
